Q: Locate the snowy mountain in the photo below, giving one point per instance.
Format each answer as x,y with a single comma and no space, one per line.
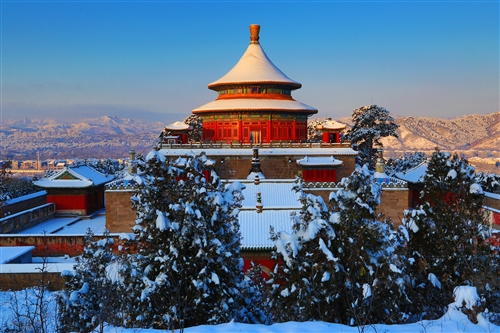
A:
113,125
472,132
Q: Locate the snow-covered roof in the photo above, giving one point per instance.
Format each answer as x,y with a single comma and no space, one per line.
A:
80,176
262,151
331,125
51,267
319,161
254,67
414,175
255,227
9,253
255,104
279,201
276,194
492,195
177,126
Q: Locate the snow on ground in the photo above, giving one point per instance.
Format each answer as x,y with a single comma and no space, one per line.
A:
453,321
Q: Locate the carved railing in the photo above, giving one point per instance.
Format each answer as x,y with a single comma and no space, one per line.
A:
239,145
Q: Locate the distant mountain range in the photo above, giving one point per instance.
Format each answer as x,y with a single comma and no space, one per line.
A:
112,136
93,126
472,132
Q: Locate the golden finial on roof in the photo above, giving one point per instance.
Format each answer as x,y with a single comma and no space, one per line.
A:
254,33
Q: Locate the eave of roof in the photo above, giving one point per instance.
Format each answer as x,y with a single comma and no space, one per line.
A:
85,177
253,104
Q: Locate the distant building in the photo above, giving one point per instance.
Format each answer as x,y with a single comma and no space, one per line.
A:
76,190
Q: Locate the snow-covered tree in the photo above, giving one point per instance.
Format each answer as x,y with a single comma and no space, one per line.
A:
313,135
370,124
90,298
5,175
108,166
448,244
404,163
339,265
489,182
187,268
195,134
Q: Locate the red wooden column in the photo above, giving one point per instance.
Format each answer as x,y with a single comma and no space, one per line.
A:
294,129
216,130
240,128
269,128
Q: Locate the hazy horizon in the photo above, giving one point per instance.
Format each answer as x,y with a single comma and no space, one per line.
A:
154,60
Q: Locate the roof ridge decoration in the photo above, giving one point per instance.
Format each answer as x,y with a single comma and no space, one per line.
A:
254,33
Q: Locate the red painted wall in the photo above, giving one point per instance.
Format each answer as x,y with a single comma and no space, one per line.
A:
496,218
266,264
319,175
68,202
255,130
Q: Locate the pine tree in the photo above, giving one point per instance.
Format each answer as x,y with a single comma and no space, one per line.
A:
187,269
489,182
90,298
196,132
5,175
448,244
313,134
370,124
404,163
339,265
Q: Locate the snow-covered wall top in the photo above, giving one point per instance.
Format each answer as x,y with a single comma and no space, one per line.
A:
319,160
25,197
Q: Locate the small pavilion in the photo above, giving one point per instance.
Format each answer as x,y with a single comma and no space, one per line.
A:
331,131
176,133
75,190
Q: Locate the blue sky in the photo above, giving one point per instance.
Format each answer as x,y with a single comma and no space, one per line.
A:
154,59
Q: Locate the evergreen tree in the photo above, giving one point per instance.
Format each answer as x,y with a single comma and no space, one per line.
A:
404,163
196,132
339,265
187,269
313,134
489,182
89,299
370,124
107,166
448,244
5,175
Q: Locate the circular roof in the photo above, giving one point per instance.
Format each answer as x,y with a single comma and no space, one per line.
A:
331,125
178,125
254,67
